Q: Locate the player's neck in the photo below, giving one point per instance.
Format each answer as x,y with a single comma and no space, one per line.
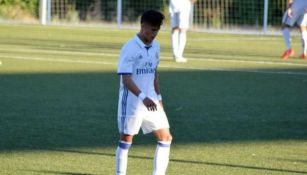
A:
144,40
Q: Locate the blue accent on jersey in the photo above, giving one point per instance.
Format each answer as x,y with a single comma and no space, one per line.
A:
124,108
123,145
124,102
123,73
147,47
145,71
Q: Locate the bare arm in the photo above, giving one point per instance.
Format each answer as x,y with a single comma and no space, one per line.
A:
128,82
290,13
156,84
157,87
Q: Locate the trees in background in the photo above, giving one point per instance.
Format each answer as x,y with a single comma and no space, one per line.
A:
210,13
221,13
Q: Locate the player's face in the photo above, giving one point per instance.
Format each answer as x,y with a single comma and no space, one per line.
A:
148,32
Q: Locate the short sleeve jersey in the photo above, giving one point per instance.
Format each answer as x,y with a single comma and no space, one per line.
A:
139,61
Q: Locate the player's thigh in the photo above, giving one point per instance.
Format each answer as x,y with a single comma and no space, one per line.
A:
154,121
129,125
300,20
184,19
303,23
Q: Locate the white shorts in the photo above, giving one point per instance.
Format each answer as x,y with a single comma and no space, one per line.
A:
298,10
296,19
149,121
180,19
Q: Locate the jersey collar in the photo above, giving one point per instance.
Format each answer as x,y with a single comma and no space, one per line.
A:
140,42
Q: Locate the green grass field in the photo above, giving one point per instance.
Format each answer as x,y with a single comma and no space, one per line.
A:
235,108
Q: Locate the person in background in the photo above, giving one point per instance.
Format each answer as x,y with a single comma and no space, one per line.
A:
294,16
180,11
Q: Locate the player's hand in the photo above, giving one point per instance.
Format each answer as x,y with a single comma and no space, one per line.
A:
151,106
161,103
290,13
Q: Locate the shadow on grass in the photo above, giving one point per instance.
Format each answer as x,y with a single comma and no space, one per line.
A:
55,172
69,110
186,161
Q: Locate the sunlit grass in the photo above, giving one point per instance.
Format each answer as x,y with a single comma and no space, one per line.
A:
279,157
235,108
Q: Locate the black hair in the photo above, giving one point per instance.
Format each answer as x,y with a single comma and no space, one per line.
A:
152,17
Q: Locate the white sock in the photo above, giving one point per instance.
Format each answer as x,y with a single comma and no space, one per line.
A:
161,157
182,42
304,42
287,37
175,42
122,157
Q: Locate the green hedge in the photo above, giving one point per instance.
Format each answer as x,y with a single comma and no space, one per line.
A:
18,9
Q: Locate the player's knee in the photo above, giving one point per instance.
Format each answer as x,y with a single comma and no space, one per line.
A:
182,30
167,137
126,138
175,29
303,28
170,138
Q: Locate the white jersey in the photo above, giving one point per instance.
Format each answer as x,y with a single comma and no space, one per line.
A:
140,61
176,6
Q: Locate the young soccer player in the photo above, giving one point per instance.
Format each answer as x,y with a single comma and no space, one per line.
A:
294,17
140,102
180,11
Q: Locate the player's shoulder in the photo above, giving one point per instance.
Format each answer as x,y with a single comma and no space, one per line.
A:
130,45
155,44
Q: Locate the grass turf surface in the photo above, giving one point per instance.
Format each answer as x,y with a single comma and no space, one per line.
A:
235,108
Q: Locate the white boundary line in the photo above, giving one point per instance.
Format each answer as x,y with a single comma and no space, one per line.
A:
61,52
167,57
57,60
236,39
245,61
162,66
237,70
